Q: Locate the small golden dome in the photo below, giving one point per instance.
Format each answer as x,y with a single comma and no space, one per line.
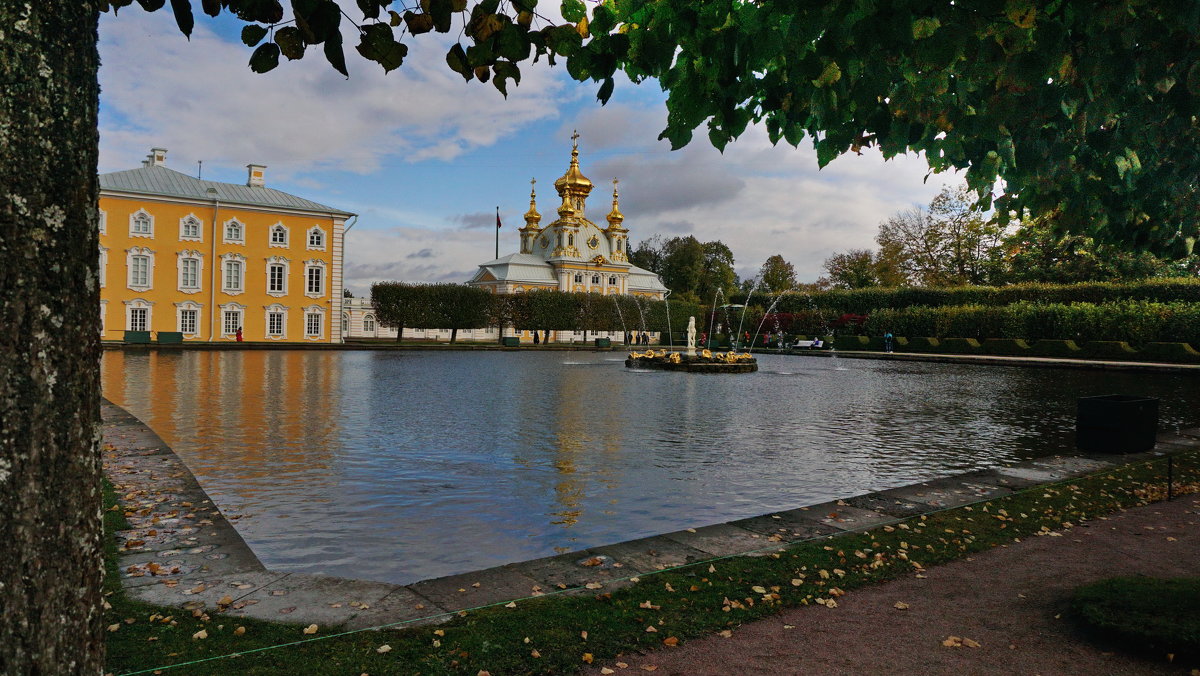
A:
615,217
532,217
574,181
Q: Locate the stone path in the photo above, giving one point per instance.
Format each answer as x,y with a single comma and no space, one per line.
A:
1011,601
181,551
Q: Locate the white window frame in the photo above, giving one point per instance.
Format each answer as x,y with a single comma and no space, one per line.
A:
139,304
103,316
189,306
191,219
308,239
596,279
241,232
103,221
612,280
134,217
103,266
345,324
369,325
286,265
238,309
275,308
226,259
130,254
287,236
309,266
579,278
310,312
181,258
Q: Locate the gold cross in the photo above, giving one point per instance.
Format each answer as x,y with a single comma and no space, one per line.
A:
575,138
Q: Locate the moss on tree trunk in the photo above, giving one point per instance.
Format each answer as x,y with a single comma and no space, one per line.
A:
50,572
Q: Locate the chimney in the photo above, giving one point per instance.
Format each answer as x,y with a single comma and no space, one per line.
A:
254,177
156,158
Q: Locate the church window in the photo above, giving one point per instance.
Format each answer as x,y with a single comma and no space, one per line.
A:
618,244
570,240
233,232
578,278
595,279
612,281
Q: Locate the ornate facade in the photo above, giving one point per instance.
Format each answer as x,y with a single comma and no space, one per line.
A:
572,253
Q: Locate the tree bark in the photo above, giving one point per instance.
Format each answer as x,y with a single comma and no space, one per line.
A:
51,569
453,335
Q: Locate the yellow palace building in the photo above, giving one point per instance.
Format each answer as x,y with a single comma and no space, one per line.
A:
204,261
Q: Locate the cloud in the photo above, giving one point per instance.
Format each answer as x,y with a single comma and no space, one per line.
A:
413,255
201,98
423,253
474,221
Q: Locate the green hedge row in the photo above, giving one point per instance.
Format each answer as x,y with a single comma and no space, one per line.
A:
1136,322
1113,350
866,301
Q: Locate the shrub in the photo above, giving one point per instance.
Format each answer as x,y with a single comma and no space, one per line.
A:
851,343
1109,349
961,346
1006,346
1055,348
1153,616
923,344
1171,352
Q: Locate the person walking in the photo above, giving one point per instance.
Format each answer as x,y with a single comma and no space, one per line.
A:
887,341
238,335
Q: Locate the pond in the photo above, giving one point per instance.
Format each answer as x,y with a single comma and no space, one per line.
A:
400,466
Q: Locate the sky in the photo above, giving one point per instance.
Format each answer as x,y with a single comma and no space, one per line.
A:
425,158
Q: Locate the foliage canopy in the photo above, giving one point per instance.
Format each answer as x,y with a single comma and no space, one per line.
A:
1086,111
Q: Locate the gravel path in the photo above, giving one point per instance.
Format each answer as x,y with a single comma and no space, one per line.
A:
1012,601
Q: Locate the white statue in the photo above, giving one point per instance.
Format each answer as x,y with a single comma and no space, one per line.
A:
691,336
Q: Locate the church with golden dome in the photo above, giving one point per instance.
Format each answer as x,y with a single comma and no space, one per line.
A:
572,253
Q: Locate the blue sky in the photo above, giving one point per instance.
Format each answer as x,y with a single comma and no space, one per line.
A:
425,158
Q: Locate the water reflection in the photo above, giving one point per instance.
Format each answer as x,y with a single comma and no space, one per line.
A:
401,466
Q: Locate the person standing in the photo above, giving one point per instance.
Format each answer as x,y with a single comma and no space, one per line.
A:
887,341
238,335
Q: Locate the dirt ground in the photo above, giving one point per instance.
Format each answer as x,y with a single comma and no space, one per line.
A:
1012,601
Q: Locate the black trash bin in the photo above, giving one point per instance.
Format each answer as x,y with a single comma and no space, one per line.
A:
1116,423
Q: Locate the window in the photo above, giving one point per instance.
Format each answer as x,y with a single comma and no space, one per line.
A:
234,272
570,240
276,275
595,279
139,319
187,321
612,281
103,266
345,323
275,324
312,325
189,228
315,277
141,224
139,271
369,324
316,238
231,321
618,244
103,223
579,278
235,232
279,235
189,273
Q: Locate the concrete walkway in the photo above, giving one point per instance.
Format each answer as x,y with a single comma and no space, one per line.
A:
181,551
998,360
1011,601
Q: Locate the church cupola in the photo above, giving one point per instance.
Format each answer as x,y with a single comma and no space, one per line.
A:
615,217
530,232
573,186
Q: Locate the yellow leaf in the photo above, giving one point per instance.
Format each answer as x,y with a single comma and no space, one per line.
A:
437,643
587,657
758,590
310,629
824,574
114,627
583,635
606,671
635,580
649,667
650,629
726,634
239,631
901,605
796,582
511,604
200,634
384,649
969,643
483,673
439,632
670,641
534,654
712,568
593,585
952,642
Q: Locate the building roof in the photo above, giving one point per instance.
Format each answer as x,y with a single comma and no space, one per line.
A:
641,279
518,267
159,180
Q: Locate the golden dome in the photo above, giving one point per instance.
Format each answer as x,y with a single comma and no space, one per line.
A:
532,217
574,181
615,216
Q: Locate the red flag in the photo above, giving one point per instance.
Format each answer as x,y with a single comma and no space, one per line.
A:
497,218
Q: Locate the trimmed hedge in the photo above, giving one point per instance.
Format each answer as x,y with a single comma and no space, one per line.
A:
1006,346
851,343
866,301
961,346
1173,352
1056,348
1109,349
923,344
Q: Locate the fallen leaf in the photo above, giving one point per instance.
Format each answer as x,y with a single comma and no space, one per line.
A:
239,631
200,634
635,580
511,604
114,627
670,641
650,629
622,665
534,654
587,657
310,629
758,590
726,634
225,600
900,605
796,582
606,671
648,606
583,635
649,667
969,643
439,632
593,585
594,561
383,649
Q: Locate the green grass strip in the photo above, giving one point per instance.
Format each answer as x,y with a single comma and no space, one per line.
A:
546,634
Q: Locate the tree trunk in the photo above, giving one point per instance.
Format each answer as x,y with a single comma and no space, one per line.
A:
399,333
453,335
51,569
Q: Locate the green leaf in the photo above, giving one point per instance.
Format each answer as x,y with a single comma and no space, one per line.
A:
370,8
253,34
829,75
456,58
151,5
441,12
183,16
378,44
334,54
573,10
606,91
925,27
265,58
291,42
211,7
418,23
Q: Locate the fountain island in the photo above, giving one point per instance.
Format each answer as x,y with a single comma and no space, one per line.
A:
703,362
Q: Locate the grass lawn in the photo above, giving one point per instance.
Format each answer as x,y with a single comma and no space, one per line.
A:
1144,615
557,634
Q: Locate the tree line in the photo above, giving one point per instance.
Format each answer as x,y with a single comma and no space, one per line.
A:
457,306
699,272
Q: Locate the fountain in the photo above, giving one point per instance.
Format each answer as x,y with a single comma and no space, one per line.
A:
691,361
